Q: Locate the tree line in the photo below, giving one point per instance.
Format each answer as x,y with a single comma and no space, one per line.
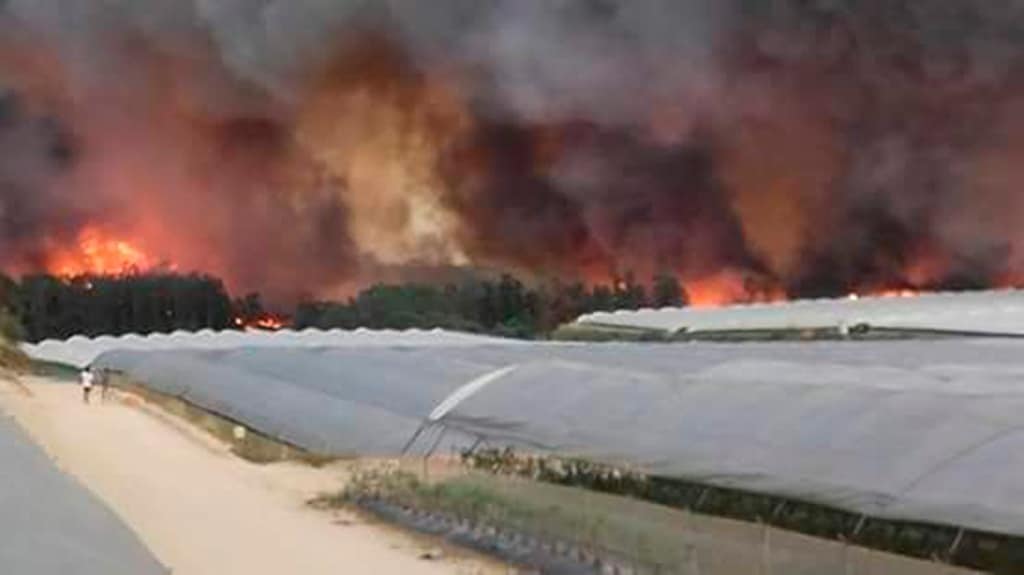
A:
42,307
505,306
45,307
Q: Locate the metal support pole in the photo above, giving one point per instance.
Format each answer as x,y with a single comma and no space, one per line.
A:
412,440
703,496
956,544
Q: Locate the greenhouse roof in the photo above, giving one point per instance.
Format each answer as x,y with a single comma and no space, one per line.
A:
80,351
929,431
983,312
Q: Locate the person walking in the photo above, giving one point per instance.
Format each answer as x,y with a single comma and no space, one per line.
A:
103,380
87,380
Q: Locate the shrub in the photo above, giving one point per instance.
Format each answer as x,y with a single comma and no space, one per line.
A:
11,329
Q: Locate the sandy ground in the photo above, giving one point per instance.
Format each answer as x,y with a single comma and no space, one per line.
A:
202,510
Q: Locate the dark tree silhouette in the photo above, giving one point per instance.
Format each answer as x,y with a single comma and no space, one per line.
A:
504,307
52,307
667,292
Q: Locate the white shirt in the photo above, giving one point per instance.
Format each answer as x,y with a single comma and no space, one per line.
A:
87,379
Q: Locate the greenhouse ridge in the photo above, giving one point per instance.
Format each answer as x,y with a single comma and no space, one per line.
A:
913,430
999,312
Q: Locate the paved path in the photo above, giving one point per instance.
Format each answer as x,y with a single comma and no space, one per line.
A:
52,525
200,509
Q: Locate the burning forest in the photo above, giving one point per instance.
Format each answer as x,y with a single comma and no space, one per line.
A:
755,150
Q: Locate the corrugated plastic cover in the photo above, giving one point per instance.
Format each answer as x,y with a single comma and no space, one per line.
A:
926,430
983,312
80,351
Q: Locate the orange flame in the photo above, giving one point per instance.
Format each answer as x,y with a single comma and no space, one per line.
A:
898,292
727,288
266,322
96,253
901,292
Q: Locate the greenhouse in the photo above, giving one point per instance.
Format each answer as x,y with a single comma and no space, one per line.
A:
923,431
981,313
80,351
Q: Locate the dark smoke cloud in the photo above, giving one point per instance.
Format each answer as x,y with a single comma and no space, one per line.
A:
34,154
915,91
821,146
172,146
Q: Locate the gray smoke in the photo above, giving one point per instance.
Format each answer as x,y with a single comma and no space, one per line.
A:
545,58
819,144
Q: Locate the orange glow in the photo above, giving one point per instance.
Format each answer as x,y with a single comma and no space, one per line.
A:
270,323
266,322
727,288
901,292
375,124
886,293
96,253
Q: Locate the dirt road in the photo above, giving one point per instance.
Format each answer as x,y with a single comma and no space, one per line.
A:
200,509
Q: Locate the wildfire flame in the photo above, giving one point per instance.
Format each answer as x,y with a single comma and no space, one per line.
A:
97,253
885,293
266,322
901,292
727,288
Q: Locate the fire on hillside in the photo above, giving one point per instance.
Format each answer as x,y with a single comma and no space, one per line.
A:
757,151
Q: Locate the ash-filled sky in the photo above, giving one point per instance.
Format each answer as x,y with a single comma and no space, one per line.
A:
306,147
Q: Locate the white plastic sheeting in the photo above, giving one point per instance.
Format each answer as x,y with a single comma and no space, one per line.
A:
80,351
916,430
987,312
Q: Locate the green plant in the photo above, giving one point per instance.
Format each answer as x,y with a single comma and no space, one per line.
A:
11,329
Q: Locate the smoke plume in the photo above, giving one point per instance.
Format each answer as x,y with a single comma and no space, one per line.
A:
303,147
